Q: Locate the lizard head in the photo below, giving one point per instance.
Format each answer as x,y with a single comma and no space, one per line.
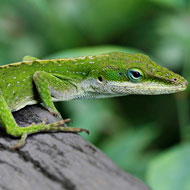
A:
117,74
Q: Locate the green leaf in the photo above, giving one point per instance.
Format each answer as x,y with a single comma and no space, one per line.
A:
171,170
92,51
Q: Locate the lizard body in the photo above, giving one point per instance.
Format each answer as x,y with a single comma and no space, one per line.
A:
33,81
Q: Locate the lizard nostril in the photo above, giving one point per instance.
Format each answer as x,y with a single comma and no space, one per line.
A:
174,79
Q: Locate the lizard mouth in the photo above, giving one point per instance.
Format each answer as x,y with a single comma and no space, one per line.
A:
147,88
112,88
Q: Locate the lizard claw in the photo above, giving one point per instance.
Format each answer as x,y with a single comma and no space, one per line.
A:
85,130
44,121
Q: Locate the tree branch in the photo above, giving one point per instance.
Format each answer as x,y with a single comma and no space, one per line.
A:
57,161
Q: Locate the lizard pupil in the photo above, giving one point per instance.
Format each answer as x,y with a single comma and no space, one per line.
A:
136,74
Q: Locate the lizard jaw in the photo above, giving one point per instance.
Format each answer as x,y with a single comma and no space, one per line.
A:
112,88
146,88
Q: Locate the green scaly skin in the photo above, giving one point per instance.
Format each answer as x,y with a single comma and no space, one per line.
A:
113,74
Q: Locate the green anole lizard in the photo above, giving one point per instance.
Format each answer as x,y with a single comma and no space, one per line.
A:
33,81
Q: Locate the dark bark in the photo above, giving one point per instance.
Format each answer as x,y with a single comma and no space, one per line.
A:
57,161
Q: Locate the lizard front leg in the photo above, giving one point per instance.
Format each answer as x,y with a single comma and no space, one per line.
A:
12,128
44,81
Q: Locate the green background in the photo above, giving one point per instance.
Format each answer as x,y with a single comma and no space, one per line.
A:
148,136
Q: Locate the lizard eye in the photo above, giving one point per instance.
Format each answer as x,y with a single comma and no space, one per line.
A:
135,75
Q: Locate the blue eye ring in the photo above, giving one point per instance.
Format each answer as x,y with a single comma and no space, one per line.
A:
135,74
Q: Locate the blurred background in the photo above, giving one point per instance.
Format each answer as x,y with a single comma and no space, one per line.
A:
148,136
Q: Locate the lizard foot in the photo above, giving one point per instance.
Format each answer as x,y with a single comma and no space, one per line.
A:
58,126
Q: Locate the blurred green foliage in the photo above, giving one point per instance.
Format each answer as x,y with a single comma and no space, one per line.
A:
148,136
172,165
